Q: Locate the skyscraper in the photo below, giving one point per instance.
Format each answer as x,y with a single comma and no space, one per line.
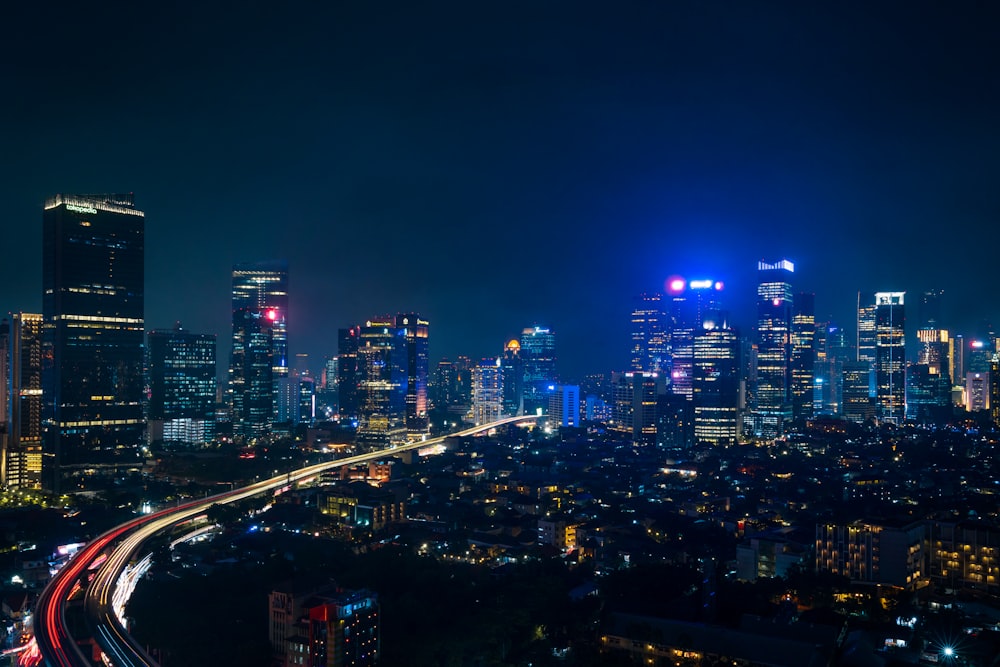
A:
866,331
928,381
650,334
773,408
690,301
22,359
803,357
92,305
261,287
890,353
634,404
538,353
512,369
182,384
382,383
414,331
251,372
716,384
487,391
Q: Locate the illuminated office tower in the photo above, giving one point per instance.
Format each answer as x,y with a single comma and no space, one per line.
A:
22,366
928,381
716,384
382,383
512,368
538,354
251,372
650,334
93,308
182,386
890,353
803,358
263,287
773,408
635,395
977,391
866,331
306,413
487,392
857,405
414,331
690,300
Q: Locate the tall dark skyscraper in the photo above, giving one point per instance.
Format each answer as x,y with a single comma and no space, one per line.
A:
182,383
512,376
928,381
348,373
890,353
415,332
258,368
251,372
92,304
773,408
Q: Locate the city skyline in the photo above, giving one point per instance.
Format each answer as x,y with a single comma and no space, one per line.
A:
592,154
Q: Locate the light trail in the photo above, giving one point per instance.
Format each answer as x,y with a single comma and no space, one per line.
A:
60,649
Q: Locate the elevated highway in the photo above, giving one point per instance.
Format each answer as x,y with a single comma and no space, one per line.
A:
98,568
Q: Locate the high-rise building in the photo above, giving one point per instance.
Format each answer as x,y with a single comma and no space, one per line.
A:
93,249
512,367
487,391
382,383
866,336
538,353
564,406
21,363
773,398
716,384
444,385
890,353
690,301
928,381
348,373
857,403
803,359
832,351
414,331
306,413
251,373
182,387
261,287
650,334
634,404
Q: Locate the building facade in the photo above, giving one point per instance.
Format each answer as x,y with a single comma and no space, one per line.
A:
260,290
772,409
890,357
93,253
182,387
21,371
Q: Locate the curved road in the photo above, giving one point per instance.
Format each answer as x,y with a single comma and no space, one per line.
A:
59,649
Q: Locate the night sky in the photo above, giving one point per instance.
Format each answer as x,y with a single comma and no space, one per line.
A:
498,164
